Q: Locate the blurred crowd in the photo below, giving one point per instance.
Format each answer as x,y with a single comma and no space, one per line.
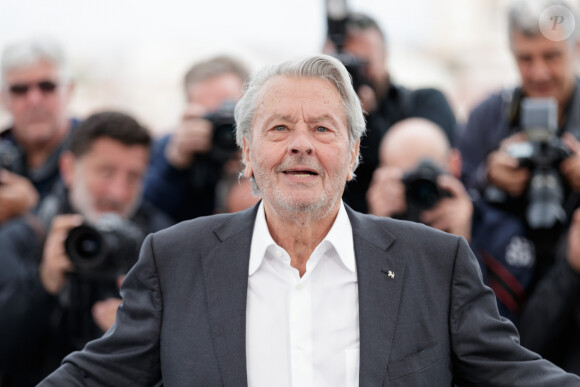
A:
79,194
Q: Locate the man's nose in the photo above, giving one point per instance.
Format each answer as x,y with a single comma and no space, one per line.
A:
118,190
539,70
301,143
34,95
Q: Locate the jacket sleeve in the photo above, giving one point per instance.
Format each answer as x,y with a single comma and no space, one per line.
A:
486,346
26,307
165,186
550,309
128,354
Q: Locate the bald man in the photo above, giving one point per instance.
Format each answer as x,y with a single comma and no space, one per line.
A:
402,149
497,238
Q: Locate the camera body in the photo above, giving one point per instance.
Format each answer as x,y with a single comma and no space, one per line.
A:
106,249
542,154
421,189
338,18
223,136
356,67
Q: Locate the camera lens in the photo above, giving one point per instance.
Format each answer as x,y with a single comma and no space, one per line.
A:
423,194
89,246
545,200
85,247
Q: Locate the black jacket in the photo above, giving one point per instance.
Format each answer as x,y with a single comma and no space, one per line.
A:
37,329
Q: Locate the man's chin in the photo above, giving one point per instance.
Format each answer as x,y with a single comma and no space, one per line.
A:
105,211
39,133
541,92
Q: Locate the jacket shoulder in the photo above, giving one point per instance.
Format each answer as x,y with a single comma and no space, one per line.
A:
404,232
207,229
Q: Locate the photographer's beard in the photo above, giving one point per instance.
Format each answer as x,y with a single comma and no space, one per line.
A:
92,208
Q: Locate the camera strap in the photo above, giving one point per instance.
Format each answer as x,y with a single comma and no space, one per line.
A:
511,99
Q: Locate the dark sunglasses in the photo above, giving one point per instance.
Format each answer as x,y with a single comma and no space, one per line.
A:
23,88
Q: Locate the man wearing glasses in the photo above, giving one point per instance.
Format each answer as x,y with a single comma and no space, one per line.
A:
35,90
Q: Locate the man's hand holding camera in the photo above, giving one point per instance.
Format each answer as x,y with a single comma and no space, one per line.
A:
386,194
504,171
17,195
105,312
454,213
55,262
194,135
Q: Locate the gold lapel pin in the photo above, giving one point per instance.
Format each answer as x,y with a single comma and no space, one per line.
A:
391,274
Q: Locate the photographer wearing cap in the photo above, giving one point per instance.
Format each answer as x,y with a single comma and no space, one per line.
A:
362,44
60,271
541,187
187,165
36,87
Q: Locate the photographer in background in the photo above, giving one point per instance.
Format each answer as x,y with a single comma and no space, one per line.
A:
36,87
418,180
46,294
385,102
547,69
187,165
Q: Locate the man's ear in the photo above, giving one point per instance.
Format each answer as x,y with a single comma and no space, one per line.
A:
353,157
248,172
66,165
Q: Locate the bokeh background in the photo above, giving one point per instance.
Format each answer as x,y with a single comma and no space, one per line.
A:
132,54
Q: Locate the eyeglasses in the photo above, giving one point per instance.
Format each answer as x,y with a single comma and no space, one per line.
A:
21,89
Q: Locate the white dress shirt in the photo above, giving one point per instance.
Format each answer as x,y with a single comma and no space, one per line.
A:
303,332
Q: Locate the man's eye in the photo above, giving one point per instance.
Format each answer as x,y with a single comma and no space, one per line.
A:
279,128
321,129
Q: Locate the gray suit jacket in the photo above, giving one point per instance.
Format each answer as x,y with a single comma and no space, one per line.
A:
183,319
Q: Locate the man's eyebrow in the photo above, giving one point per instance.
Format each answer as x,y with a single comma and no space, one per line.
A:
323,118
280,118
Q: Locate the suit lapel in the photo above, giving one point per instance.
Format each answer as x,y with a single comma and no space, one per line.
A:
226,281
380,282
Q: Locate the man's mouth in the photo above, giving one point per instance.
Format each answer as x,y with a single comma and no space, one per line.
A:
300,172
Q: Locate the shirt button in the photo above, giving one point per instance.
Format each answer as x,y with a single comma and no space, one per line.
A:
299,287
300,345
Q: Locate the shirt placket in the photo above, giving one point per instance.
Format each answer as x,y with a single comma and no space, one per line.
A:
300,313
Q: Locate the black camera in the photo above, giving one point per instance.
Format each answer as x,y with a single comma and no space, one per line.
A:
338,20
106,249
542,154
8,155
224,136
421,189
